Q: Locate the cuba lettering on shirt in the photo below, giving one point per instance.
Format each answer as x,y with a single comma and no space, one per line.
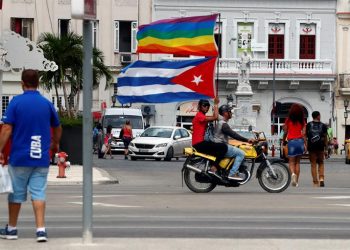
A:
35,147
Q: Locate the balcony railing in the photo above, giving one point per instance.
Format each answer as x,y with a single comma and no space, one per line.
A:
283,66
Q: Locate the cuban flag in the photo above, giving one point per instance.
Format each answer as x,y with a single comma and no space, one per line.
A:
164,81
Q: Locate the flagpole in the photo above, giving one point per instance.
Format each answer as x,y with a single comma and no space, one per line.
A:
217,63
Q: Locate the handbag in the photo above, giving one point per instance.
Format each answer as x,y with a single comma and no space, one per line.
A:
5,181
104,148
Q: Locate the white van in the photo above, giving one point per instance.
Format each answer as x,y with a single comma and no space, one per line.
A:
116,117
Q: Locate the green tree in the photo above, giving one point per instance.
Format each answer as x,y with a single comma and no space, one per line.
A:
99,70
65,51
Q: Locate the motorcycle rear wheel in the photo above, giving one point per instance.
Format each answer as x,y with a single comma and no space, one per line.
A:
275,185
195,186
196,182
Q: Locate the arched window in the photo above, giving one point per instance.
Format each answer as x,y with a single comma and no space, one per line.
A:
281,116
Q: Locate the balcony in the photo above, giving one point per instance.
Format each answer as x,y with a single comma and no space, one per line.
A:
262,68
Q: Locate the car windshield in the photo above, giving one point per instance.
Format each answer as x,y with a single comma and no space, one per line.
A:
117,121
157,132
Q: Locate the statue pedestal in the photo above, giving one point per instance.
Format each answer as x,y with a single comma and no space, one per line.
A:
244,116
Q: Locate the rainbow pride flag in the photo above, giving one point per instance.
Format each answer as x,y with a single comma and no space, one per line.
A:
180,36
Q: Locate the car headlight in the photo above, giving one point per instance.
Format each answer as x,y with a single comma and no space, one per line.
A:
162,145
131,144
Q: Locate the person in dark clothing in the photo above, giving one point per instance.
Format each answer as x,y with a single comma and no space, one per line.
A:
222,133
317,145
200,124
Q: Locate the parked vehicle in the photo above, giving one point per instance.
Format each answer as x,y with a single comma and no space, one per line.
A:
160,142
273,175
116,117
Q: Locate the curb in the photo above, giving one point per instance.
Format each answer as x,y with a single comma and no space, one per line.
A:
100,177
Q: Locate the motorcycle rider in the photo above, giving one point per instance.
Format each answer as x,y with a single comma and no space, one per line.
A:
222,132
200,124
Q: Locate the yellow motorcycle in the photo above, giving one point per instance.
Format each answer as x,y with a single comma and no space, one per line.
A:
273,175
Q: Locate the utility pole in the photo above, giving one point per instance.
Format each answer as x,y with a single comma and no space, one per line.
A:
87,130
86,10
273,97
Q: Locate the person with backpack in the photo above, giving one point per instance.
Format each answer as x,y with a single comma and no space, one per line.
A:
200,125
317,145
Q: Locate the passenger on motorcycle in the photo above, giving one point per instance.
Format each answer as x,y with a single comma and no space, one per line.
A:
222,132
200,123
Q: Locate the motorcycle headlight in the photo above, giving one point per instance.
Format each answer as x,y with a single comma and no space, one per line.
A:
162,145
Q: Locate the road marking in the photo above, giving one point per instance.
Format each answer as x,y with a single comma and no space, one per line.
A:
106,205
255,228
105,196
342,205
333,197
199,218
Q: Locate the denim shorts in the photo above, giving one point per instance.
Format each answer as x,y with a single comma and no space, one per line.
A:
32,179
296,147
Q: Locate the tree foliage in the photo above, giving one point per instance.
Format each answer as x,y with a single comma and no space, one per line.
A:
67,52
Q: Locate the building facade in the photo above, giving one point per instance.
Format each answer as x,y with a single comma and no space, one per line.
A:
342,90
114,32
300,35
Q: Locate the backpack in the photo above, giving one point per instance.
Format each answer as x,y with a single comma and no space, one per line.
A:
315,136
209,132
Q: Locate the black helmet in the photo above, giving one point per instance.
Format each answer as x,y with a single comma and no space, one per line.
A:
203,102
224,108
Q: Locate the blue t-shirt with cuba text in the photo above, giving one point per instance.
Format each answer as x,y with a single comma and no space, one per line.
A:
31,116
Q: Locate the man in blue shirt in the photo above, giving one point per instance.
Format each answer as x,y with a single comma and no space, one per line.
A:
28,121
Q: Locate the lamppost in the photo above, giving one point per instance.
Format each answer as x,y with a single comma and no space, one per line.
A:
346,105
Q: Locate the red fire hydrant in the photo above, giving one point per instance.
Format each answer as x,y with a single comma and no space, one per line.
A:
62,164
273,150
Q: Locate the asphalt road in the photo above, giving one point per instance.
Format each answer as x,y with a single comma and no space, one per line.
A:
149,201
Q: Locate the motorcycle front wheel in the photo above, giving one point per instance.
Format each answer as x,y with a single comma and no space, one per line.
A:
197,182
278,183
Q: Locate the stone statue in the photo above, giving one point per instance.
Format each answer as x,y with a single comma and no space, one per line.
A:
244,67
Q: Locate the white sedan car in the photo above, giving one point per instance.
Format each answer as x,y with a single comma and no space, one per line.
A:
160,142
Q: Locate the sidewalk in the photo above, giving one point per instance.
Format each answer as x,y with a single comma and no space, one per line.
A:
336,158
75,176
176,244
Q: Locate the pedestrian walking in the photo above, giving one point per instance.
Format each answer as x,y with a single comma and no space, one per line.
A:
335,145
317,145
126,136
106,147
28,120
294,132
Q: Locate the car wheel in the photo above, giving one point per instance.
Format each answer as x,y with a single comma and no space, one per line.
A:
169,154
347,161
158,159
133,158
